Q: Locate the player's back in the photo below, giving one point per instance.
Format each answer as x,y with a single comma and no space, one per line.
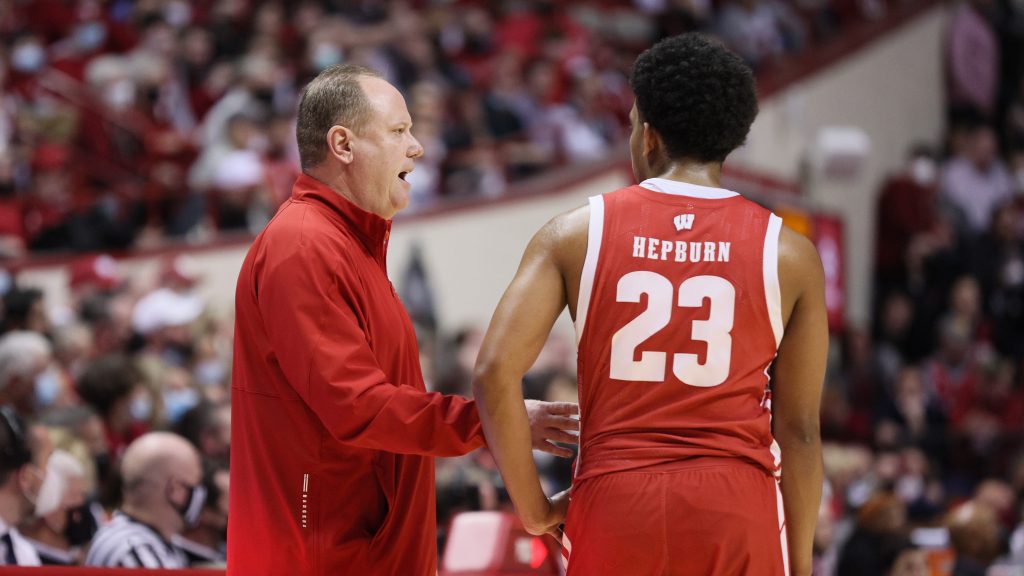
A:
679,317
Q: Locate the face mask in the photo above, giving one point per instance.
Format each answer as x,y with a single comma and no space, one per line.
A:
325,56
28,58
141,408
120,94
47,387
922,171
90,35
177,402
193,506
81,526
178,14
210,373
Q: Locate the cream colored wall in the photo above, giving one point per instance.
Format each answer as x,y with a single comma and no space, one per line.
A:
893,91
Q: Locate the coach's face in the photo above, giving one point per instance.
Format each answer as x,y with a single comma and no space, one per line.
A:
384,151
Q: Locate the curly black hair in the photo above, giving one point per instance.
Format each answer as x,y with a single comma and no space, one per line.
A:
698,95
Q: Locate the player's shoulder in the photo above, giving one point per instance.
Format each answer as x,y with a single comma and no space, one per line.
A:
798,258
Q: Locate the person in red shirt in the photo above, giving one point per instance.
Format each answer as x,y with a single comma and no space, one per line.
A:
684,296
332,428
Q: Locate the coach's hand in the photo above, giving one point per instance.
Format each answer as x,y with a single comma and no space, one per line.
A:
551,422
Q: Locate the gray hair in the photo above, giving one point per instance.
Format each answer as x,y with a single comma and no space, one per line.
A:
333,98
19,354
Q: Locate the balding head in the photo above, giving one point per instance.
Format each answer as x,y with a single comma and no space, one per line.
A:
159,457
335,97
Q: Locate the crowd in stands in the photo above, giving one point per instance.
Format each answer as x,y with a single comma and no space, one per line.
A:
127,123
923,415
124,123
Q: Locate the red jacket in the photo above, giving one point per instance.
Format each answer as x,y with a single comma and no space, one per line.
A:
332,428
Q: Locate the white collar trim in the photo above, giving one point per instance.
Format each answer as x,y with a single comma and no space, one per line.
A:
677,188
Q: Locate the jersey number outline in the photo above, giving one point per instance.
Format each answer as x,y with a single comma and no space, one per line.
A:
716,330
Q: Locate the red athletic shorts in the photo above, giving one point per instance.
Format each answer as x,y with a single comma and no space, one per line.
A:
707,517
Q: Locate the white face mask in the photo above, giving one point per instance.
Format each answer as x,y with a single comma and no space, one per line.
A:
120,94
48,387
922,171
29,57
141,408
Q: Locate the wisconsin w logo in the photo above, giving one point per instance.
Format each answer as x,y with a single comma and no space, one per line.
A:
683,222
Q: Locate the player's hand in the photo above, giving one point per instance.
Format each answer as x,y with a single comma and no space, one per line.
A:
551,422
554,516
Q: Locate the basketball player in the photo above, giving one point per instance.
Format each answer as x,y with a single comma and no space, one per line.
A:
684,294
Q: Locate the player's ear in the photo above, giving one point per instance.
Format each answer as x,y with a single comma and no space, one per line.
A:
651,141
339,143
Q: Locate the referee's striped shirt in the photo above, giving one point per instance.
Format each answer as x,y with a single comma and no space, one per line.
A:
128,543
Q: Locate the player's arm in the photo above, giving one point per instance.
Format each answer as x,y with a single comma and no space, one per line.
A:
796,397
518,330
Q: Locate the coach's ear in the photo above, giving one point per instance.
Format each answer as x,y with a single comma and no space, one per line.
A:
339,143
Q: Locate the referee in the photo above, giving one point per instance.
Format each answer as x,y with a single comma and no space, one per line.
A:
163,493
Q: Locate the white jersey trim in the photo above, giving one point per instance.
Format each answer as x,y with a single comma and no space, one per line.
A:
677,188
594,234
783,537
772,290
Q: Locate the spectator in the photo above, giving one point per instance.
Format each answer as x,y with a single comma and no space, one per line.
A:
25,309
205,543
906,560
906,208
25,451
974,536
63,524
208,427
976,181
163,495
760,30
973,59
113,386
24,360
879,521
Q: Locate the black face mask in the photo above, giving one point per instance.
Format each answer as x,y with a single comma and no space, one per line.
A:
81,526
193,506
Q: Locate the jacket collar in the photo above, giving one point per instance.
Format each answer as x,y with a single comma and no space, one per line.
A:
372,230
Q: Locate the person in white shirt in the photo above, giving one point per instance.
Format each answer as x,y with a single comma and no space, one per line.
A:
22,450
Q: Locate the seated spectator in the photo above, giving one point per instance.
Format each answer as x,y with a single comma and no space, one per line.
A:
24,358
163,495
975,182
205,543
879,521
208,427
973,58
113,386
24,451
760,30
973,533
906,208
906,559
63,524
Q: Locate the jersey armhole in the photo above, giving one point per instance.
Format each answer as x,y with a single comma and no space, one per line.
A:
772,290
595,231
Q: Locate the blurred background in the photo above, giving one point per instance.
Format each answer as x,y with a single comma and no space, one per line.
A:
144,143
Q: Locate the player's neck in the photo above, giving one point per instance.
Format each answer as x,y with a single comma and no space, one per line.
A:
701,174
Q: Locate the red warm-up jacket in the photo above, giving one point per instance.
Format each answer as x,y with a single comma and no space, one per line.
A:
332,430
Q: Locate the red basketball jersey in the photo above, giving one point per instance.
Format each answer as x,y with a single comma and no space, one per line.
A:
679,316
